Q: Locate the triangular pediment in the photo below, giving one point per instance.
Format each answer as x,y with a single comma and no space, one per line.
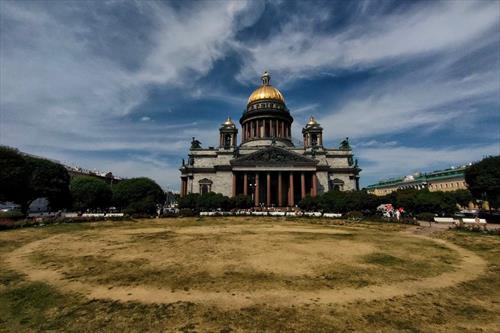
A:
273,156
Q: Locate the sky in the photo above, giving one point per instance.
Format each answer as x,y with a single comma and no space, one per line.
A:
122,86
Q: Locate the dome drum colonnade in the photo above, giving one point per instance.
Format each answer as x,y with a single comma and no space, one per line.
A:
266,116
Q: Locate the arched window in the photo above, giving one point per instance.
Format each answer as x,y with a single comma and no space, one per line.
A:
205,185
337,184
314,139
227,140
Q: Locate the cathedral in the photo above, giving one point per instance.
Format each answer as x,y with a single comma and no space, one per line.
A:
266,164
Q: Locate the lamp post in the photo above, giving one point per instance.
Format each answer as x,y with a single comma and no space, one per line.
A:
252,190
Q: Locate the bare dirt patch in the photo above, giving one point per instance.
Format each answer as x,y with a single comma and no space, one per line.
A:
239,265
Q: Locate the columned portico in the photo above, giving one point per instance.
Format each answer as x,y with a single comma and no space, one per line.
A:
268,187
280,189
269,173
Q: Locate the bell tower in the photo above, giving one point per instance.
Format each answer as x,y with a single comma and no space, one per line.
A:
228,135
313,134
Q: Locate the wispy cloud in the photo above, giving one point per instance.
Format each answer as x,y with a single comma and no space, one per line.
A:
413,100
372,38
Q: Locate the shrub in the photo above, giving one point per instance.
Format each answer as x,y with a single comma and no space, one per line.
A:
12,215
354,215
242,201
211,201
187,212
425,216
309,203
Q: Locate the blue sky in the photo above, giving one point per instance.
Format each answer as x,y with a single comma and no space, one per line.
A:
123,85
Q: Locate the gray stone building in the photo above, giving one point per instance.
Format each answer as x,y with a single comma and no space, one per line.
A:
266,164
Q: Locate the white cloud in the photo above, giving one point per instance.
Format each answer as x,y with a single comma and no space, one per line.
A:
58,91
193,40
299,50
375,143
417,99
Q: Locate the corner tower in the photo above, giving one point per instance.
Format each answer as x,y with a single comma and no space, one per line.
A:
313,134
266,119
228,134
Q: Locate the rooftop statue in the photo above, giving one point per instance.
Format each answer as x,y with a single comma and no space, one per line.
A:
195,144
344,145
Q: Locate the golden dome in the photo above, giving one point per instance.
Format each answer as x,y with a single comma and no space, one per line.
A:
312,122
266,91
228,122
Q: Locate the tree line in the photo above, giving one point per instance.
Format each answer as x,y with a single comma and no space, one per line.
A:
24,178
412,200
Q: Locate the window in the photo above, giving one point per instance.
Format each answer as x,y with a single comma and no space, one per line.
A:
314,139
227,141
205,185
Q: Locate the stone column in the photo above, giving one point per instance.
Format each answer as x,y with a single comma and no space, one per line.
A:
302,185
268,192
282,129
290,189
257,189
280,190
314,185
245,184
234,184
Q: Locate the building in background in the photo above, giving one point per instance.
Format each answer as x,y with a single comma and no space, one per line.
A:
266,164
443,180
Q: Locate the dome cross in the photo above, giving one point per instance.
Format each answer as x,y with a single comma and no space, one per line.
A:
266,78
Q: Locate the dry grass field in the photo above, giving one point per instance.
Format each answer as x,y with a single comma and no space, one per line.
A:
247,275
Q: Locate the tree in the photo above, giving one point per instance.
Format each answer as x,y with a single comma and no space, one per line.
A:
25,178
90,193
138,195
462,197
14,176
49,180
309,203
242,201
483,179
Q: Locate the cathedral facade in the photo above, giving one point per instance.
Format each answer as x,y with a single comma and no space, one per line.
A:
266,164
